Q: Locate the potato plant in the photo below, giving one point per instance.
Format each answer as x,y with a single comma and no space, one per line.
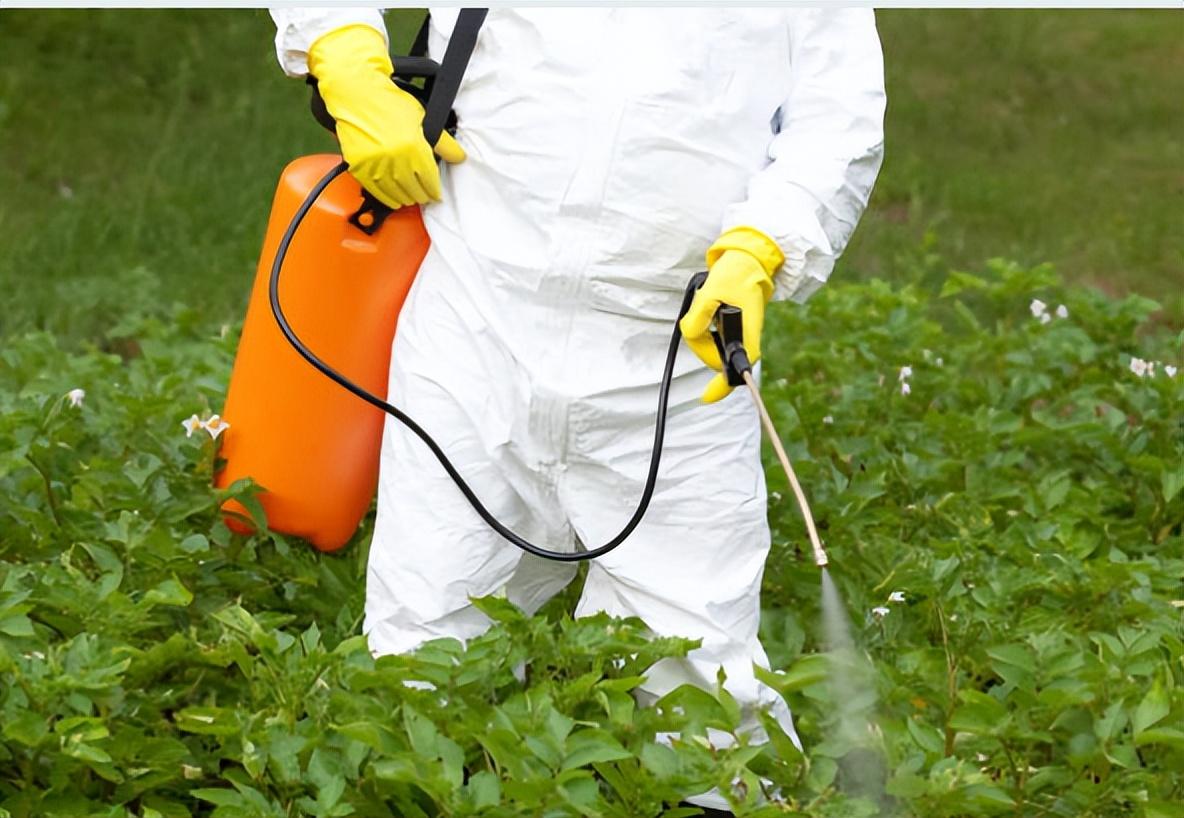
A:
996,462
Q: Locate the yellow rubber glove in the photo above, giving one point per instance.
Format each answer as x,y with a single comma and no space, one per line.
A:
379,125
740,267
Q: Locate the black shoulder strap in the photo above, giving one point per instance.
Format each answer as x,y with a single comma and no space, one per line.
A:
419,48
452,69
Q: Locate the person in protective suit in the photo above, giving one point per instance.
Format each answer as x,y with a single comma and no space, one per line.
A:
602,155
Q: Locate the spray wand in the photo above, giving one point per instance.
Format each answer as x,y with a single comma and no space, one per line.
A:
729,341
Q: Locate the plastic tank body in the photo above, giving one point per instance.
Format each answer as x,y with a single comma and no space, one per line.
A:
310,444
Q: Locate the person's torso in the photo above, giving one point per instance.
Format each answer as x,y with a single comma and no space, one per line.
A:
603,147
610,139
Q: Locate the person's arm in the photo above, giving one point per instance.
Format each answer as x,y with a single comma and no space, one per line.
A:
801,208
296,29
827,151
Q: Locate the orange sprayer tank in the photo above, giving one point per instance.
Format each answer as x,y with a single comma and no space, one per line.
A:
313,446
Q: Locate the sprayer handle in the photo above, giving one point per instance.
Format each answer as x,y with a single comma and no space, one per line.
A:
728,335
369,217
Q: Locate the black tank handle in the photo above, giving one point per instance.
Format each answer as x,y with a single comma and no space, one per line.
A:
441,83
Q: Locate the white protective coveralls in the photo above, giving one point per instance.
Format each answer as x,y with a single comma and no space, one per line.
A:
607,148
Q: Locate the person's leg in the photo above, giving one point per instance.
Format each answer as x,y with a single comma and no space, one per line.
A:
693,566
431,552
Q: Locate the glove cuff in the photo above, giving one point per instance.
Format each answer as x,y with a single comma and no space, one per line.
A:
350,51
751,241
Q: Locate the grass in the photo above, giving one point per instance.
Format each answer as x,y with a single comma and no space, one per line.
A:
141,148
1037,135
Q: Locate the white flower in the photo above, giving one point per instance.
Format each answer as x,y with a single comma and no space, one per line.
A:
880,612
1062,311
216,426
1037,307
905,388
1151,369
192,424
1045,318
1170,370
828,420
896,596
1139,366
939,361
905,372
75,397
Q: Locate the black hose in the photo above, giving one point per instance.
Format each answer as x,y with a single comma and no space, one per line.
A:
466,490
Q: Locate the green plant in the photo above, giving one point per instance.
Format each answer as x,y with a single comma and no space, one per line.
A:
1025,499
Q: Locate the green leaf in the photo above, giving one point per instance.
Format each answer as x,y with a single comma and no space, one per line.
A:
979,714
1161,809
325,773
223,797
17,625
82,728
85,752
1172,481
592,746
420,731
28,728
498,609
483,790
1015,664
103,557
283,753
806,671
1110,723
661,760
1152,709
989,796
822,772
194,544
782,743
239,619
956,282
1161,735
169,592
399,768
209,721
558,726
907,785
452,761
928,738
372,735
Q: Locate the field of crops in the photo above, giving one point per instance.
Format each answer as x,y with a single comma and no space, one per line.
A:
1007,532
993,450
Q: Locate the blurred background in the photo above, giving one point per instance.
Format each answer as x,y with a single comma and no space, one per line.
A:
139,150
